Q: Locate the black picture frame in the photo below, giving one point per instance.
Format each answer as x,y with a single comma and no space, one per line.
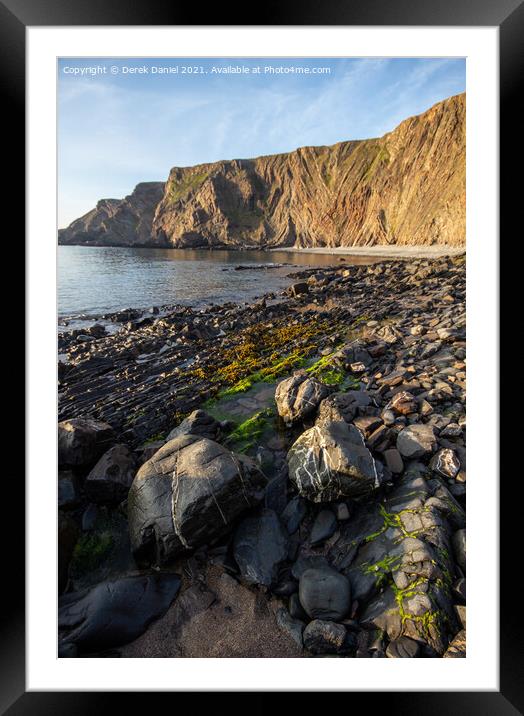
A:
508,15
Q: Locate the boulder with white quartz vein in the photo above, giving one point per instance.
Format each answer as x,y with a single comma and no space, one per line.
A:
189,493
330,461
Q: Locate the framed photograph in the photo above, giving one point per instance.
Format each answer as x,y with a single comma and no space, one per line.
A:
259,259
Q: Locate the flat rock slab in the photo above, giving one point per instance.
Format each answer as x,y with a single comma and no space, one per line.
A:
259,546
114,612
323,528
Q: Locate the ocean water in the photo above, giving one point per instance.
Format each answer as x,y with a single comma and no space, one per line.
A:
94,280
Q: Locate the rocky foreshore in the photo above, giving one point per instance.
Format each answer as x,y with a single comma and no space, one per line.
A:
280,479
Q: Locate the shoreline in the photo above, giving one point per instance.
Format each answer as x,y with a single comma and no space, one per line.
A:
373,252
383,348
385,252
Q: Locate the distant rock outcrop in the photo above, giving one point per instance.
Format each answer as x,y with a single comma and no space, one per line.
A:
405,188
117,222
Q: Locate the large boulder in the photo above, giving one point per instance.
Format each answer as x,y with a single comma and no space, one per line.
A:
197,423
81,441
114,612
324,594
299,396
189,493
330,461
260,545
111,477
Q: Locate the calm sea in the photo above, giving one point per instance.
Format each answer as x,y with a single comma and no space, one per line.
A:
94,280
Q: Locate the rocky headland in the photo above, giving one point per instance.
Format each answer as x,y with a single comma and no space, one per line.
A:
406,188
117,222
280,479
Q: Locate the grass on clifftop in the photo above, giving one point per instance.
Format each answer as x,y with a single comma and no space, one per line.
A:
190,182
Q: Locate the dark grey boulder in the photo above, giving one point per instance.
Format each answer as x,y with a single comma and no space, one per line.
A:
299,288
299,396
289,625
323,528
149,449
403,648
189,493
368,424
452,430
312,561
68,534
111,477
459,589
67,651
345,406
417,440
276,490
459,548
259,546
394,461
323,637
68,490
295,608
90,517
330,461
293,514
460,612
114,612
324,594
354,352
197,423
81,441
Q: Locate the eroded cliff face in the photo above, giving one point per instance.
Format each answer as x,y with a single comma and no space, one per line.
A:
117,222
407,187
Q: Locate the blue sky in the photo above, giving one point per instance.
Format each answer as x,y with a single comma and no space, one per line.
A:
117,128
